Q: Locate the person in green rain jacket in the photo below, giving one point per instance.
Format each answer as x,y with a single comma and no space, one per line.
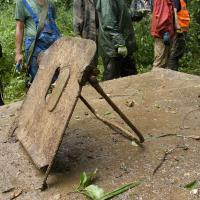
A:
85,21
116,39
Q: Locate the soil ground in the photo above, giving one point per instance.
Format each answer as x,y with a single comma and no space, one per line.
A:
165,102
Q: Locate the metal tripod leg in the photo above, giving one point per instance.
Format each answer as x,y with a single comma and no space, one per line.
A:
93,81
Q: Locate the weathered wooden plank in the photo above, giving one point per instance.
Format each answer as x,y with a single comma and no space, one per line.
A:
42,122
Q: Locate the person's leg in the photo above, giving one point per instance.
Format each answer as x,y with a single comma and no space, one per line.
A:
177,50
33,68
128,66
1,94
161,54
94,62
1,100
111,68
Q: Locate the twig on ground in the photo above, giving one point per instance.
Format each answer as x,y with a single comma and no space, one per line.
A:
166,135
195,137
167,152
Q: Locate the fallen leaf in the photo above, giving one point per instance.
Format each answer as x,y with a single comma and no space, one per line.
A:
130,103
77,118
107,113
133,143
191,185
16,193
173,112
195,137
186,127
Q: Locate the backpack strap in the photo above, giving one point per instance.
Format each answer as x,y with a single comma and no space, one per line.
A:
30,10
39,24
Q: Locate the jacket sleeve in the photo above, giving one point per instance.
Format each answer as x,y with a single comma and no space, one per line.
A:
110,14
19,11
78,14
162,14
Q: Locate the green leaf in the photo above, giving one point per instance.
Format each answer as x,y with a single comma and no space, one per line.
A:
121,190
94,192
107,113
192,185
86,180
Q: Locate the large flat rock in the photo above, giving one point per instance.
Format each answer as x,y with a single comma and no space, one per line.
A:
165,102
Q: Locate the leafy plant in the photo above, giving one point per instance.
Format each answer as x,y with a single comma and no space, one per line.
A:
86,179
94,192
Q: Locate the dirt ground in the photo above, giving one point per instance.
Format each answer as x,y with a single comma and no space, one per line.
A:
164,102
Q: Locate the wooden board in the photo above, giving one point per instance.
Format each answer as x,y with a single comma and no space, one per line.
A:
43,118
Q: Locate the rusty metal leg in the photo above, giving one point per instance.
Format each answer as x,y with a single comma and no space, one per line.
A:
93,81
44,184
112,125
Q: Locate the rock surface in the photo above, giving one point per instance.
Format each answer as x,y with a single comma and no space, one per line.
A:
165,103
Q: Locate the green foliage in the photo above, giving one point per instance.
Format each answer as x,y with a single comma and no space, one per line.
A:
9,78
144,54
13,83
191,60
192,185
94,192
86,179
64,20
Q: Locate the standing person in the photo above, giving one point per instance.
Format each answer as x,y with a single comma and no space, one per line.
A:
85,21
116,39
35,18
162,30
182,19
1,94
1,87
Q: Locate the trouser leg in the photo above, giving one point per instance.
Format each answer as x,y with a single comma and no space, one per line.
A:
177,50
128,66
1,94
33,68
161,54
1,100
94,62
111,68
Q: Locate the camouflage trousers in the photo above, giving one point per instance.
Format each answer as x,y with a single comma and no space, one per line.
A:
118,67
177,50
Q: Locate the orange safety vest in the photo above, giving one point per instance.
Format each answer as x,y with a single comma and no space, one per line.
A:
183,17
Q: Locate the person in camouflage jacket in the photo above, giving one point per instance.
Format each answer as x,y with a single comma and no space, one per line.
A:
116,39
85,21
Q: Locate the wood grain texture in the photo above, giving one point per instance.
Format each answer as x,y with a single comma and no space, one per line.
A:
40,129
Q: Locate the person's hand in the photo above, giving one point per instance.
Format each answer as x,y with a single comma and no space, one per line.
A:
19,58
122,51
18,61
166,38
